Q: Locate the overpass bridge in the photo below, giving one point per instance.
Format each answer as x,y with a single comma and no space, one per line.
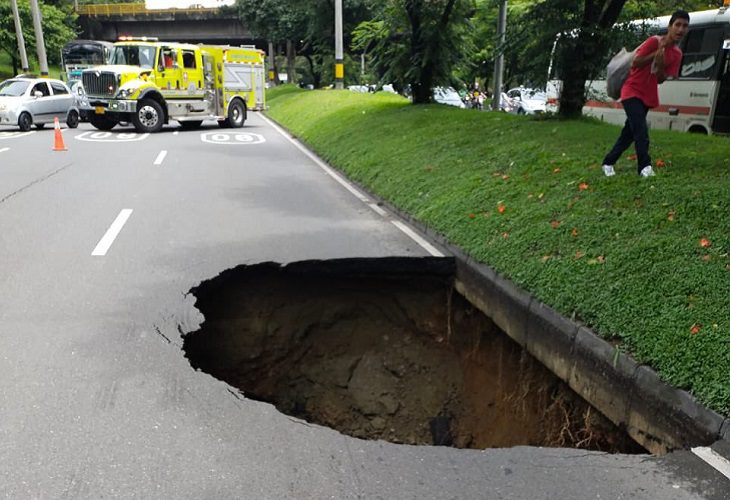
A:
195,25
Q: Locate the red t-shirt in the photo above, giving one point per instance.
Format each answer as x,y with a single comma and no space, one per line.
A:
642,83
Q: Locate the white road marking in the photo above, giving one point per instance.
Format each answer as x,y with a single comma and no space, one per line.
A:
176,132
2,150
106,241
358,194
235,138
713,458
110,137
160,157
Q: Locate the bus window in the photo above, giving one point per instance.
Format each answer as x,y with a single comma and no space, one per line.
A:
701,52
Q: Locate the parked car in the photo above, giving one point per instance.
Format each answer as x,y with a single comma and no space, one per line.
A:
527,101
82,100
27,101
447,95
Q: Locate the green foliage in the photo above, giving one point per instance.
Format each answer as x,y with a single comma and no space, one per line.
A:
623,255
418,43
59,26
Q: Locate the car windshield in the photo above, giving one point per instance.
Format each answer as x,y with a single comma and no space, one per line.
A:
13,87
134,55
534,94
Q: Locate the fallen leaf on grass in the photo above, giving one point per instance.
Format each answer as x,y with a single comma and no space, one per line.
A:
579,254
601,259
707,258
555,224
574,232
705,243
583,186
695,329
660,164
632,157
471,216
501,208
556,170
670,216
505,177
505,235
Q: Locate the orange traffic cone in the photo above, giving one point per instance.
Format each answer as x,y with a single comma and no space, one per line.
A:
58,144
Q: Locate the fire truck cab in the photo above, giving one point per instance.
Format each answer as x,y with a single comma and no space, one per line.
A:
150,83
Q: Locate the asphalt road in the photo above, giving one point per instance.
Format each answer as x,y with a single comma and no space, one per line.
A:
99,246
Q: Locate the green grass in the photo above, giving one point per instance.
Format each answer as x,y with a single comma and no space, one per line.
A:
622,254
6,68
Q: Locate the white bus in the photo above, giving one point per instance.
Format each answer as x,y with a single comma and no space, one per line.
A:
698,100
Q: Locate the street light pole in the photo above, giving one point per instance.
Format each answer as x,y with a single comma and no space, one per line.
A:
339,65
499,61
40,43
19,35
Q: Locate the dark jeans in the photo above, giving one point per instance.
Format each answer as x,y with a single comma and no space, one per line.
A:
635,130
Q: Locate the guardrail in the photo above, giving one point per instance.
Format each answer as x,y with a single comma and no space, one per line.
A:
117,9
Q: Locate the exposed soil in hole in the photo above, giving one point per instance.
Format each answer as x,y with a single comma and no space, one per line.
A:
385,349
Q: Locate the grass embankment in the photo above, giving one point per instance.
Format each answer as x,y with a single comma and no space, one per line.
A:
644,262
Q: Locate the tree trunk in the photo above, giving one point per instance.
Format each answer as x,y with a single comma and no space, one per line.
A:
291,62
316,75
590,45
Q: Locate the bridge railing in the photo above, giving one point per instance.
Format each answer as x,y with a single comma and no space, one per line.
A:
120,9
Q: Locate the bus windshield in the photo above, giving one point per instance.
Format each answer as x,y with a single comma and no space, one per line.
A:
80,54
134,55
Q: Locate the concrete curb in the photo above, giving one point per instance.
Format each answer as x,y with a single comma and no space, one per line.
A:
657,415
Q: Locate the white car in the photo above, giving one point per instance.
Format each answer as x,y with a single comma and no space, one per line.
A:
27,101
447,95
527,101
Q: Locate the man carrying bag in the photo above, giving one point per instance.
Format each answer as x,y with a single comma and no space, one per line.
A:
657,59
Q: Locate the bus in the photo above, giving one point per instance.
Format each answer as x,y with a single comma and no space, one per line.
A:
698,100
80,54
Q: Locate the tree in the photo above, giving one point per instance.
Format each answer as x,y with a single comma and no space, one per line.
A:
418,42
308,26
59,26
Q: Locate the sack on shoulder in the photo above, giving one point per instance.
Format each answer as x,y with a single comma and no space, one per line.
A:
617,72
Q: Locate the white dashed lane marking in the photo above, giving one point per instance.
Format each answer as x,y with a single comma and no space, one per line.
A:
717,461
111,234
2,150
160,157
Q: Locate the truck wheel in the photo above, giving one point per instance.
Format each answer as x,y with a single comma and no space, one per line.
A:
149,117
72,120
25,121
102,122
236,114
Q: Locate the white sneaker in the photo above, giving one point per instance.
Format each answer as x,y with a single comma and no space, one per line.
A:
608,170
647,171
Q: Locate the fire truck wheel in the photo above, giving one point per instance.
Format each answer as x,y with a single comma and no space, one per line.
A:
236,114
102,122
149,116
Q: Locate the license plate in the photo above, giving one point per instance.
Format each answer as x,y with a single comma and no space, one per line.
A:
100,110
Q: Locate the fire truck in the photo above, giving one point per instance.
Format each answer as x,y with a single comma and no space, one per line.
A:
150,83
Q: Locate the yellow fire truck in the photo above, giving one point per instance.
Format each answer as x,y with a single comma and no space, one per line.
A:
149,83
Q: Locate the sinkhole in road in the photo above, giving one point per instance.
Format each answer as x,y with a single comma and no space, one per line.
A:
385,349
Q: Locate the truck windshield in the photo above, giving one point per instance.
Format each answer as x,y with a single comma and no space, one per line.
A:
134,55
13,87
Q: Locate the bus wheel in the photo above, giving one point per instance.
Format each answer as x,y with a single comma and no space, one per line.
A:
102,122
236,114
149,116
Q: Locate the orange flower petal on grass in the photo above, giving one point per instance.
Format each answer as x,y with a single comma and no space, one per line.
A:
555,224
695,329
501,208
705,243
471,216
583,186
661,163
632,157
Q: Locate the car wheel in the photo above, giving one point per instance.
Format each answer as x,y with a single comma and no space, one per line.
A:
236,114
520,111
72,120
149,117
102,122
25,121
